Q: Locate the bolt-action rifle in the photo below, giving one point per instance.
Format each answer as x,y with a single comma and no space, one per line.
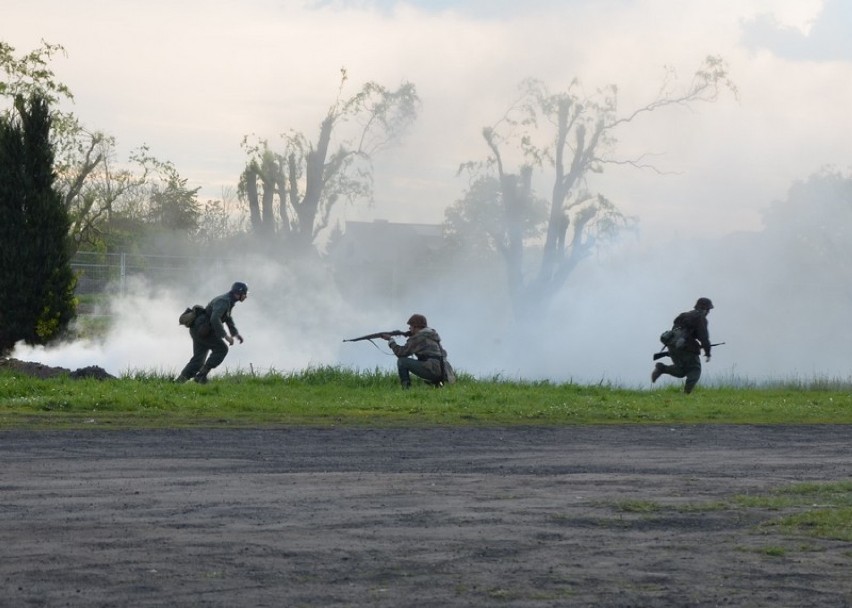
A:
665,353
379,334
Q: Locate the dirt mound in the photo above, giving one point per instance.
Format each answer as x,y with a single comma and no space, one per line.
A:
39,370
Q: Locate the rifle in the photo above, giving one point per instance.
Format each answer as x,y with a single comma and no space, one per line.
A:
665,353
371,337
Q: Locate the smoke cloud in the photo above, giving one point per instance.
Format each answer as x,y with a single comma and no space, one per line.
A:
602,327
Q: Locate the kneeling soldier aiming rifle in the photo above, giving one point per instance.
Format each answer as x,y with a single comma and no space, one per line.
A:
421,355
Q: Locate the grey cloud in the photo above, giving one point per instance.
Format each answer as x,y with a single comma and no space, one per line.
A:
829,39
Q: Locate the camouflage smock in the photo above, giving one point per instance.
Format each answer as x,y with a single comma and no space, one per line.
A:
425,345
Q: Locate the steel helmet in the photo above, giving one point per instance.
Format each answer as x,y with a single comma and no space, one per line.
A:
239,289
417,321
704,304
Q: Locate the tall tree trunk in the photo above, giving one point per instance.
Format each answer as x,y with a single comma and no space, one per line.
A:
306,210
252,196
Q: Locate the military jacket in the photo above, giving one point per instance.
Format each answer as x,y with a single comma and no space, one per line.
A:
219,313
425,345
698,335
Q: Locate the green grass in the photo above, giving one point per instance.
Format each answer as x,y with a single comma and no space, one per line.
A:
821,510
813,510
335,396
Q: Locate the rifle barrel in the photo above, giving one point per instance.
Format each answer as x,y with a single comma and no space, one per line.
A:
378,334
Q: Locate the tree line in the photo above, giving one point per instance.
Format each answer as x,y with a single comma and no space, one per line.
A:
289,188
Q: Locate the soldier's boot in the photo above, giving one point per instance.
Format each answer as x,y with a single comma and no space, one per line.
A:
658,371
687,388
406,385
201,376
181,379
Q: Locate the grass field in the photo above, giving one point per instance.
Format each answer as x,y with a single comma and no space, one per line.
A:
334,396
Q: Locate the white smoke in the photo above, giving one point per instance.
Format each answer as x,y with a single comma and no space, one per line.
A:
602,327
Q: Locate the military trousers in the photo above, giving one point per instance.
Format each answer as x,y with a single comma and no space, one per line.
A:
685,364
408,365
215,347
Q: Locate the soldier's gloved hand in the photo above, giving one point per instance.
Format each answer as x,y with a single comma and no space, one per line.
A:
707,359
229,340
240,338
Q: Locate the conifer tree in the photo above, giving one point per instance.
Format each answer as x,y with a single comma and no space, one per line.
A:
36,279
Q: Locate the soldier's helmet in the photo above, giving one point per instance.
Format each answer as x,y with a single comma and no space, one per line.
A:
704,304
417,321
239,289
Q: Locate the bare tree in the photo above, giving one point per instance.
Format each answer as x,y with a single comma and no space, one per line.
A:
572,136
91,190
291,193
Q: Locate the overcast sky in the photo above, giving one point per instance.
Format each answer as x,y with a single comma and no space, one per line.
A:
191,78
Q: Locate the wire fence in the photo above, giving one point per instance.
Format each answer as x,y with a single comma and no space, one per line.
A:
110,272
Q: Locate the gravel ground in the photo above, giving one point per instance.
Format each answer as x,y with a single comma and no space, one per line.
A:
574,516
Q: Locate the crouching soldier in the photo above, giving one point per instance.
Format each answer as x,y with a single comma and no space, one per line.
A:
421,355
209,336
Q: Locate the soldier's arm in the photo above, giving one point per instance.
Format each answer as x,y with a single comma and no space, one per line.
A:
232,327
704,337
404,350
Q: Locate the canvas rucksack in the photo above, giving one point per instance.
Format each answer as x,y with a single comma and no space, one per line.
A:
674,338
188,316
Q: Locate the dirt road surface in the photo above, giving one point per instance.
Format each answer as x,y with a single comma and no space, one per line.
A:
578,516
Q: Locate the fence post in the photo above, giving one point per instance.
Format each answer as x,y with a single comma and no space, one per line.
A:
123,281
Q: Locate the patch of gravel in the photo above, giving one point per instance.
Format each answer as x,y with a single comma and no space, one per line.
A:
444,517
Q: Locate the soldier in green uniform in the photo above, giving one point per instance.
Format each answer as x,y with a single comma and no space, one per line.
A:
209,336
421,355
690,336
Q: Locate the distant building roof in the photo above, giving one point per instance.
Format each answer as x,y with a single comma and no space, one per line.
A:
358,230
380,240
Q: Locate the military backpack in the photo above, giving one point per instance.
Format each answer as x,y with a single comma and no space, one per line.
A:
674,338
188,316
